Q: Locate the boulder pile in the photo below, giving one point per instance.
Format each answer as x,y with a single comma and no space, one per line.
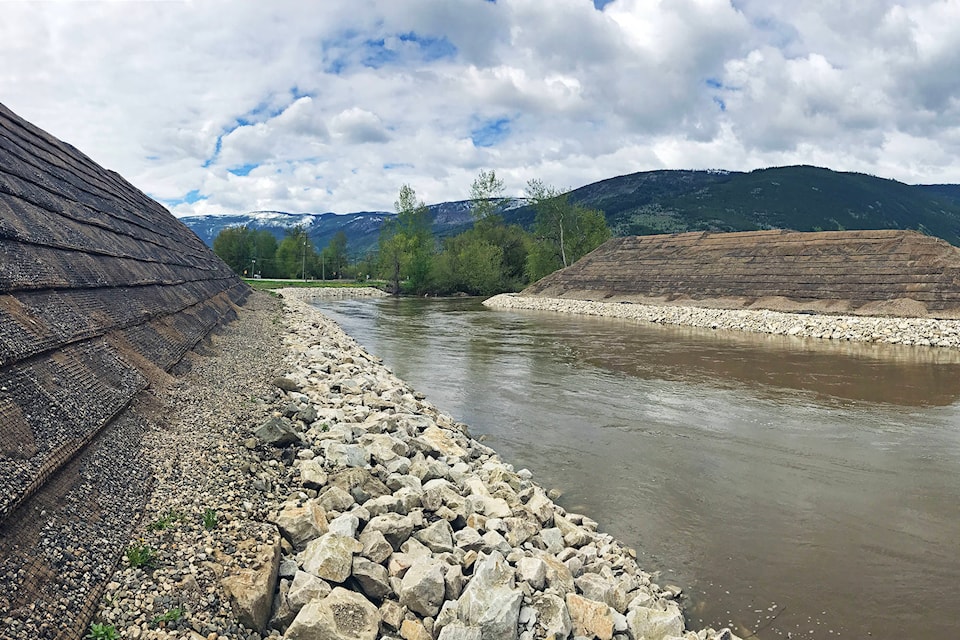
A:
395,523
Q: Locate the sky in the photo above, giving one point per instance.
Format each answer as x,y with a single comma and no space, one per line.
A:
230,106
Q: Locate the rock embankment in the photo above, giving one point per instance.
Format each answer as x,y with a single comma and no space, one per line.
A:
345,505
333,293
925,332
398,524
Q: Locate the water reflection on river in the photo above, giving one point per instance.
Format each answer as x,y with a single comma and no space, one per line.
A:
793,487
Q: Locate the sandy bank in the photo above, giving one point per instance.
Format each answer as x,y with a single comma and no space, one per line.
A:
905,331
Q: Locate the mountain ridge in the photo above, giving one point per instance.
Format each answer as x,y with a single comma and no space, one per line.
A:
797,197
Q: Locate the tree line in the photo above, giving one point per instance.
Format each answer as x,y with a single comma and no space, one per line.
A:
490,257
256,253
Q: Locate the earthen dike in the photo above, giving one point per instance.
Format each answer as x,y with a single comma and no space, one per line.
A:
874,273
102,290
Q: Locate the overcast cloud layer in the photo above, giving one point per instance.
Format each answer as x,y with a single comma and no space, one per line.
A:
230,106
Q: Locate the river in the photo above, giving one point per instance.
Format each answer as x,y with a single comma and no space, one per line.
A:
793,488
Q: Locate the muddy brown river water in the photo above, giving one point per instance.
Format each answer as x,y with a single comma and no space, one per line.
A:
794,488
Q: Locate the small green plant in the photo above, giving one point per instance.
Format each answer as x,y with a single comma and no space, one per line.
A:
99,631
173,615
141,555
210,519
324,427
164,521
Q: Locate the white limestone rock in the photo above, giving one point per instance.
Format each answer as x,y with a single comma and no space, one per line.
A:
342,615
422,589
330,557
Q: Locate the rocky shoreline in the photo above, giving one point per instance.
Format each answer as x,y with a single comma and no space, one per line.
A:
347,506
926,332
332,293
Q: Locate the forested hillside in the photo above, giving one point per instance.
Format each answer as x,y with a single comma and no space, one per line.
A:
801,198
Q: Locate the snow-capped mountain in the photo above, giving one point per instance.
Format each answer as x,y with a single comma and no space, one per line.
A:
362,228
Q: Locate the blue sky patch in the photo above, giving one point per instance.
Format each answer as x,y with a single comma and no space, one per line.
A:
243,170
351,49
713,83
192,197
263,112
600,4
431,49
377,55
260,113
397,165
720,103
491,132
216,152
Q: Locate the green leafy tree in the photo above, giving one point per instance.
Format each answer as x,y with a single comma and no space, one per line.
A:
234,246
264,254
469,264
563,232
245,250
486,195
367,267
466,267
296,256
333,258
407,244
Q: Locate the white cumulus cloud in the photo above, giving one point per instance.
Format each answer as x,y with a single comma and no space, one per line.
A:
228,106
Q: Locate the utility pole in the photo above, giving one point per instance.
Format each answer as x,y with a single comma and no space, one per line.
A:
303,261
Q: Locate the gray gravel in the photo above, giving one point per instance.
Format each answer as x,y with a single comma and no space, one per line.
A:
196,451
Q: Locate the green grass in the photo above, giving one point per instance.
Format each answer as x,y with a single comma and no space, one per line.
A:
100,631
209,519
164,521
142,555
173,615
334,284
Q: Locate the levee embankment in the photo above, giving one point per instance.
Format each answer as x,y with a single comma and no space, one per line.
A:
101,292
894,287
870,273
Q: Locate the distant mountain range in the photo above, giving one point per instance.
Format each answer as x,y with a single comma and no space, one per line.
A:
802,198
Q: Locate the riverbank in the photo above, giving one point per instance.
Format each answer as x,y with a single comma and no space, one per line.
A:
925,332
331,293
343,504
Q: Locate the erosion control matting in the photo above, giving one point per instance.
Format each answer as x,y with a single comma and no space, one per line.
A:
101,288
884,272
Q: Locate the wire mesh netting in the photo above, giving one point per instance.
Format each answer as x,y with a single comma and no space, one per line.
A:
838,270
100,287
